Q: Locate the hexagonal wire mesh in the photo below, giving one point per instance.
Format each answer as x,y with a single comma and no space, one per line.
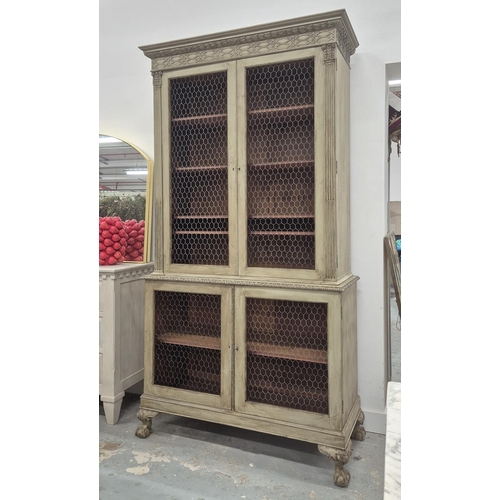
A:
199,164
287,354
188,341
280,165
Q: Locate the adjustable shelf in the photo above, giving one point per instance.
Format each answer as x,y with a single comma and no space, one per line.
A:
189,340
283,164
201,119
287,352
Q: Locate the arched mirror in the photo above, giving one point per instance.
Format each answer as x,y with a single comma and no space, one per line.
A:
125,177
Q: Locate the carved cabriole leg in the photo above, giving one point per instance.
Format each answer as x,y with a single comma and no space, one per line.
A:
340,457
359,432
145,416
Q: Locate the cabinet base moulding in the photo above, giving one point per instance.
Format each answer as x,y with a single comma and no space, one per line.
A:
336,445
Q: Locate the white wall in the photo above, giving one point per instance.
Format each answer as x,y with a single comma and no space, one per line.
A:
395,174
126,111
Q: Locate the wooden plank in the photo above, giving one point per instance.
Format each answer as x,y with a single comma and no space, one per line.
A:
284,164
189,217
287,352
282,216
284,233
200,168
190,340
201,119
200,232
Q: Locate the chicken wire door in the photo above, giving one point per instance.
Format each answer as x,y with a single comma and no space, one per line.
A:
287,357
278,138
188,346
200,119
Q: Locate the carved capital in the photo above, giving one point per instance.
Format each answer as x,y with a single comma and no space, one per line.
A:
329,51
157,79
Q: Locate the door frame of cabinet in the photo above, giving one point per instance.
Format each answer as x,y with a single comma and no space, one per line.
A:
224,400
165,200
319,172
334,419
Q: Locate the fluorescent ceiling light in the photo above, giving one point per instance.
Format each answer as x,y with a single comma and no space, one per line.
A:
394,82
108,139
137,172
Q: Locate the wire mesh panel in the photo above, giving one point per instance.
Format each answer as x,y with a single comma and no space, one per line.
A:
280,165
287,362
199,170
188,341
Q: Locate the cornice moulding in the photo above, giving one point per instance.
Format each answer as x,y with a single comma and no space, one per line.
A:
136,270
303,32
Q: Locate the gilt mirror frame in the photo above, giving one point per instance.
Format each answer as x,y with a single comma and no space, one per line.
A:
117,158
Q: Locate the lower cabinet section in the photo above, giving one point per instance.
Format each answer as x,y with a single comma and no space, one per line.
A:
274,358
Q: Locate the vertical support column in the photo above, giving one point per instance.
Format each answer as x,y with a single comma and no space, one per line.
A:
330,161
158,175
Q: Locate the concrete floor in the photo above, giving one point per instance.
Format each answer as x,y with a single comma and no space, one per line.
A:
186,459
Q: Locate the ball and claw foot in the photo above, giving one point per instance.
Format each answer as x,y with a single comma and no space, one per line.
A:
341,476
145,416
359,432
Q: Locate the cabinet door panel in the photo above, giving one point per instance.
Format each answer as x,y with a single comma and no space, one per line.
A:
284,349
200,118
278,185
189,343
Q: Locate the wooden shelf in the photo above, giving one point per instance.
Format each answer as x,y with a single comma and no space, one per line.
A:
201,232
201,217
283,164
280,216
283,233
287,352
190,340
200,119
304,109
200,168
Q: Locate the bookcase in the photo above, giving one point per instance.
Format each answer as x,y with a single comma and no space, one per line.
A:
250,312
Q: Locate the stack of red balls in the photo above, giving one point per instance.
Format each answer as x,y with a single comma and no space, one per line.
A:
120,241
135,240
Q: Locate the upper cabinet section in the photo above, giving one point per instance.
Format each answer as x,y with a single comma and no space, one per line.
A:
252,151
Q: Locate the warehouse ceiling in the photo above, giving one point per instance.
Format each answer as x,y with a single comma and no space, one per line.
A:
121,166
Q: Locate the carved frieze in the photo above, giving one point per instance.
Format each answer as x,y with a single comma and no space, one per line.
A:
328,32
234,281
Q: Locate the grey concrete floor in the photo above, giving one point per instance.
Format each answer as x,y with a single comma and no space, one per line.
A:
186,459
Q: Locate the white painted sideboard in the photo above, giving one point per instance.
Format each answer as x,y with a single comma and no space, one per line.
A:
121,332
